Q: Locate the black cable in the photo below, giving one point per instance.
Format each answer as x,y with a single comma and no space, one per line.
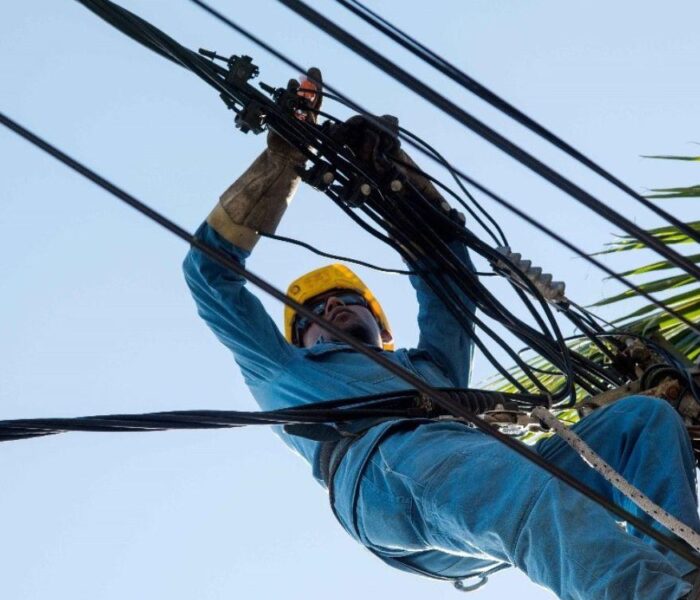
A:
564,242
460,77
442,160
288,240
443,400
489,134
388,405
462,176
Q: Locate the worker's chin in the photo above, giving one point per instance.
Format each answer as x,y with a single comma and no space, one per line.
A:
360,333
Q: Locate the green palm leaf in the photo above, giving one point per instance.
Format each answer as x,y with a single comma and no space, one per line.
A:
641,320
671,157
667,234
661,265
692,191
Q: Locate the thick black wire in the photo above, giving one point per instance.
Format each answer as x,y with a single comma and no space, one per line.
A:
406,133
432,275
409,224
390,405
441,399
462,176
460,77
491,303
564,310
486,302
295,242
530,374
564,242
441,159
393,243
489,134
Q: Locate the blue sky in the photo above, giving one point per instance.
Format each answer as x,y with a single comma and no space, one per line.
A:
97,319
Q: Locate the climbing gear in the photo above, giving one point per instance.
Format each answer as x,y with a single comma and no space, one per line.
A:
325,279
594,460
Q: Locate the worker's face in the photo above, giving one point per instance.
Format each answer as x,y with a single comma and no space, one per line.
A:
348,312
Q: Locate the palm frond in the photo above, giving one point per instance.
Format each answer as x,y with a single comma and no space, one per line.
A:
668,234
644,319
692,191
671,157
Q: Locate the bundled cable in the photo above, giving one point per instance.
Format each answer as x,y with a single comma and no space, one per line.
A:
394,405
443,400
459,175
394,220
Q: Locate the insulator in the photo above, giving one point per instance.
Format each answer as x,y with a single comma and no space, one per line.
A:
552,291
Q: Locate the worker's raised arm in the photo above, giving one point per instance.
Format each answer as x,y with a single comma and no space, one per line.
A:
448,342
254,203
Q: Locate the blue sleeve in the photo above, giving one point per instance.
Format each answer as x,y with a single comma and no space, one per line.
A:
449,344
233,313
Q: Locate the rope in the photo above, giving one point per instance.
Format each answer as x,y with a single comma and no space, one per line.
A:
596,462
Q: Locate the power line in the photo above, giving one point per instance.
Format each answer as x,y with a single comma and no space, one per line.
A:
460,174
442,399
489,134
469,83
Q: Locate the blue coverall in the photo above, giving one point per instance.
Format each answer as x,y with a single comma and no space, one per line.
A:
444,498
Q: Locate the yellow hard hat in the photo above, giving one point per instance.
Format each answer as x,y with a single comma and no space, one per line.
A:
325,279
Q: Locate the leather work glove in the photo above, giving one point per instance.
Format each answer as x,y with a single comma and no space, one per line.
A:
373,146
257,200
380,152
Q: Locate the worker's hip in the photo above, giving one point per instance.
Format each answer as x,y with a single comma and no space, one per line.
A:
382,498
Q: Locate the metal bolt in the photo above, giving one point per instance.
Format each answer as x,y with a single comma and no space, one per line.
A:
365,189
396,185
328,177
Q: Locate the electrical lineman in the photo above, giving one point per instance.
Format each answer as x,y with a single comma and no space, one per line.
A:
435,497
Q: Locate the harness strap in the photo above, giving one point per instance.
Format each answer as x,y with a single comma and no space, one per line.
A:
329,457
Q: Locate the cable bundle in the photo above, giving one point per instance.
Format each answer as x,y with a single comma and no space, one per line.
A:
395,213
